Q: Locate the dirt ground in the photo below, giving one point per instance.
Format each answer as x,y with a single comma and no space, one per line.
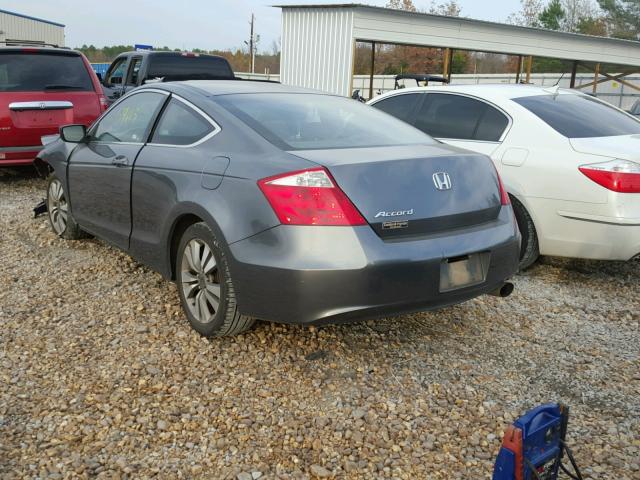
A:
102,377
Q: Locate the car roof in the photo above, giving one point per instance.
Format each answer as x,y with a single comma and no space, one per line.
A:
38,48
212,88
166,53
489,91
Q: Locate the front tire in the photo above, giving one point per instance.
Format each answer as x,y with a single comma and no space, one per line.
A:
205,287
529,249
62,222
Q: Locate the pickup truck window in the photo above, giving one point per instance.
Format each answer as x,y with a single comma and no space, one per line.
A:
115,75
134,69
180,125
130,120
182,67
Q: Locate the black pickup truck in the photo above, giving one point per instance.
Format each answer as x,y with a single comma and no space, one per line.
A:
132,69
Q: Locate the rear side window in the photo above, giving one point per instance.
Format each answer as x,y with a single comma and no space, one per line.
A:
37,72
180,125
179,67
579,116
400,106
130,120
458,117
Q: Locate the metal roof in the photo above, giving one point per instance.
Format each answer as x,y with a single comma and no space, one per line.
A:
385,25
318,40
32,18
463,19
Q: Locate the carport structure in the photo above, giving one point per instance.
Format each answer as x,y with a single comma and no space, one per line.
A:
318,44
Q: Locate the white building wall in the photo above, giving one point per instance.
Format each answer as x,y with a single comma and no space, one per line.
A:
317,48
15,27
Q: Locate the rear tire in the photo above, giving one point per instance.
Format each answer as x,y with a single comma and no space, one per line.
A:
62,222
205,287
529,249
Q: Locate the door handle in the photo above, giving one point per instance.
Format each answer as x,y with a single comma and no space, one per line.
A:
120,161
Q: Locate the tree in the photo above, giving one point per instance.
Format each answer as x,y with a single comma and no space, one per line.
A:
622,18
529,14
577,10
460,62
552,15
402,5
592,26
395,59
449,8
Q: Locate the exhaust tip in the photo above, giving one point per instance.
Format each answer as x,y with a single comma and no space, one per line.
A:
504,291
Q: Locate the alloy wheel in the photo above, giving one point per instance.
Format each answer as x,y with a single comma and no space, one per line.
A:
200,280
58,207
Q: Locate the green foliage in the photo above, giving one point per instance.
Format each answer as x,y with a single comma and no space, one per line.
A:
622,17
460,62
552,15
104,54
550,65
592,26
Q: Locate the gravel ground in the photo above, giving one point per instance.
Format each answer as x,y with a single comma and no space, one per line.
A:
102,377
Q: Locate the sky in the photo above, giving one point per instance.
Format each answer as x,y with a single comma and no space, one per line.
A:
206,24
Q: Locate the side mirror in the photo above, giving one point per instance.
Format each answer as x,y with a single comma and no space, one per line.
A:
99,75
73,133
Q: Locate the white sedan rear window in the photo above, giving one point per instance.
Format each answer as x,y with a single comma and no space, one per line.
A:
580,116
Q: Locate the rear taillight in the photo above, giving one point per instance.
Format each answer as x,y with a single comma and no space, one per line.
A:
103,103
309,197
620,176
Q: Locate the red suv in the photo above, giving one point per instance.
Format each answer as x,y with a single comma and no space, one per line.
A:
42,88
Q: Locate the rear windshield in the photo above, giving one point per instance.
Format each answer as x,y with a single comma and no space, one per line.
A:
179,67
312,122
580,116
37,72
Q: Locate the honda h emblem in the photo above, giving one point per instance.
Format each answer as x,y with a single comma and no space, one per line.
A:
442,181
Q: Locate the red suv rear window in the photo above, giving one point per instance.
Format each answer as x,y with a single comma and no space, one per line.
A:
43,71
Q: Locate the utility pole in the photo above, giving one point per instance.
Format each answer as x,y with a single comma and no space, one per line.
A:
252,46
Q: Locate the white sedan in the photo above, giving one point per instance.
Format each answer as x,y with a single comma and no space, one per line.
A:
570,162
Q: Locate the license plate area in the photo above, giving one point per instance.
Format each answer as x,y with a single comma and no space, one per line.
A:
41,118
463,271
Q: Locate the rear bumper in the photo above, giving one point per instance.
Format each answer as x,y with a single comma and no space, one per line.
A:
316,275
601,238
10,156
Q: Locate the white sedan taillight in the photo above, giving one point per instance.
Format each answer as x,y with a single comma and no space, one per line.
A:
620,176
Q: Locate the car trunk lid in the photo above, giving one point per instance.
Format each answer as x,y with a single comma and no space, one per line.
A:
625,147
26,116
414,190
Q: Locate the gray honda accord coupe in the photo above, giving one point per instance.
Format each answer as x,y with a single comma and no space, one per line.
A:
270,202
